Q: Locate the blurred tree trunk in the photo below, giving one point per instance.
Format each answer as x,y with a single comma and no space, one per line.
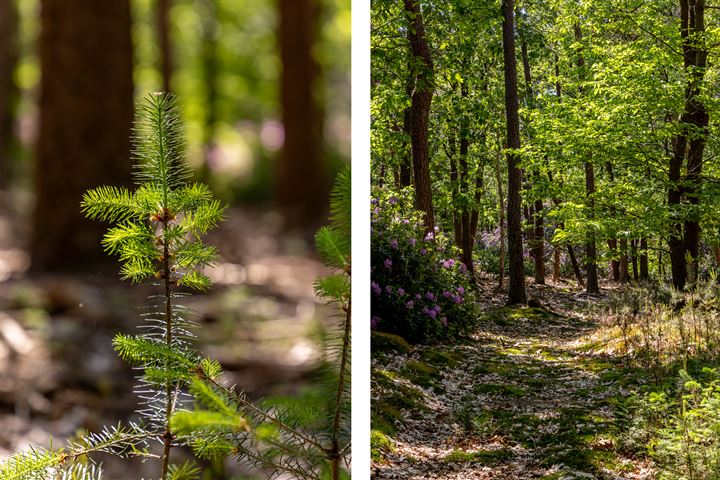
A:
644,271
86,111
210,71
624,273
165,45
301,179
8,89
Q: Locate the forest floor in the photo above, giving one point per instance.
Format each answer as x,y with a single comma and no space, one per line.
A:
529,396
59,374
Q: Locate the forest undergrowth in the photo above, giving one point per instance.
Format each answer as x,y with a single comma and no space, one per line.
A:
620,385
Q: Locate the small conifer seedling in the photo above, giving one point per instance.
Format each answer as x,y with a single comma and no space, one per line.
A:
157,235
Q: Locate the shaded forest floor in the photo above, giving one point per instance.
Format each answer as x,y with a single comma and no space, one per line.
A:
529,396
59,374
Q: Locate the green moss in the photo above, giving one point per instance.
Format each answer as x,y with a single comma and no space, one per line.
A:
484,457
493,367
499,389
387,342
440,358
380,446
422,374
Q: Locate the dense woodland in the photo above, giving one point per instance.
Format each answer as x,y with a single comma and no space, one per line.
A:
545,235
262,92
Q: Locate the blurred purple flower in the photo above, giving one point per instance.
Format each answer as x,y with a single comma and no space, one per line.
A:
423,251
401,291
376,210
388,263
392,200
463,268
409,304
405,221
388,289
394,244
418,296
430,236
430,296
374,322
446,294
444,321
429,313
461,289
375,288
448,263
412,242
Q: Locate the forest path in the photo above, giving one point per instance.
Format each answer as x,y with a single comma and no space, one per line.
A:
526,399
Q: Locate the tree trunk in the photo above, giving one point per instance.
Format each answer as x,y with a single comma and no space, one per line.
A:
634,259
516,291
556,263
591,249
614,263
304,203
537,247
575,266
209,75
624,274
591,252
468,237
406,156
644,271
420,110
8,89
501,213
86,111
697,117
164,44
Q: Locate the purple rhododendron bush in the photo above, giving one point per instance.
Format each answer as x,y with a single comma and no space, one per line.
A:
420,289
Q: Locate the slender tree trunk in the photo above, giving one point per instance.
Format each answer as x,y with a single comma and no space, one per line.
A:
612,242
86,111
8,89
501,213
406,157
634,259
164,44
624,274
420,110
590,247
537,246
644,270
556,263
697,116
468,237
304,203
591,251
575,266
516,291
209,72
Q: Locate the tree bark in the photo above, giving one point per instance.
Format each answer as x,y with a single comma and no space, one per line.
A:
575,266
164,44
612,242
406,156
644,271
86,111
634,259
624,274
420,110
304,203
697,118
590,247
8,89
501,213
556,263
516,291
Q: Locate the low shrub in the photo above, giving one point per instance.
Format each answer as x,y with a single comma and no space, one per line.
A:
420,288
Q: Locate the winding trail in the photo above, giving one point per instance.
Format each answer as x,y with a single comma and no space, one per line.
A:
527,398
